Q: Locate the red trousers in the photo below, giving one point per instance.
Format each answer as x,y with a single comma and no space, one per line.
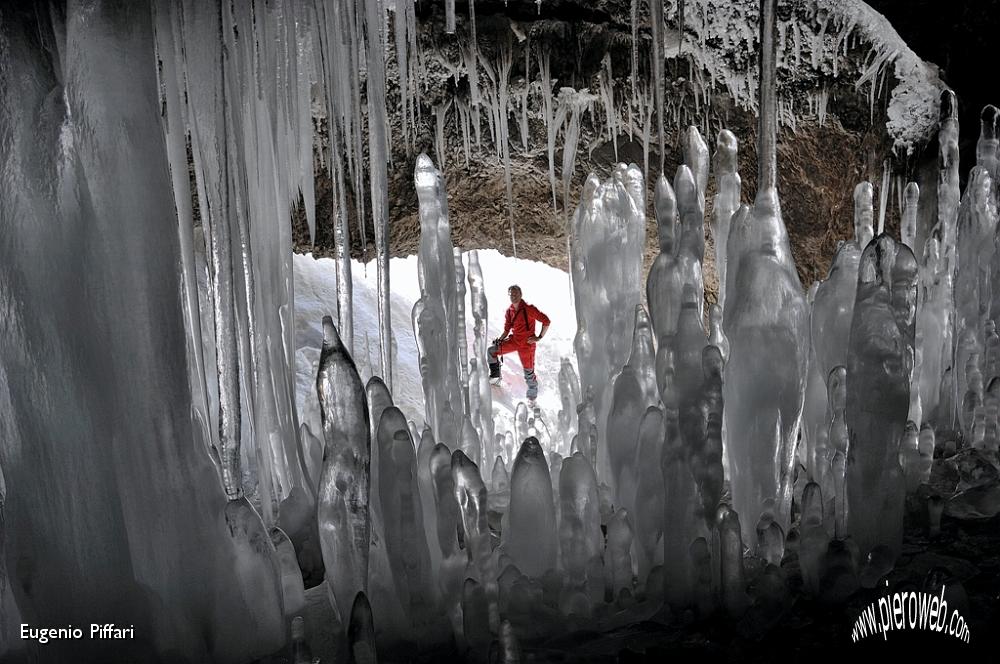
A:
525,351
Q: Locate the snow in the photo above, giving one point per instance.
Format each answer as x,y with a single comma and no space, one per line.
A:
315,296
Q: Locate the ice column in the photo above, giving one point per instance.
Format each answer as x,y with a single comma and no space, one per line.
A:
608,232
767,322
436,272
344,524
378,153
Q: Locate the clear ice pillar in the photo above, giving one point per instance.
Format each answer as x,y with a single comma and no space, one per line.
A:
342,510
532,541
767,322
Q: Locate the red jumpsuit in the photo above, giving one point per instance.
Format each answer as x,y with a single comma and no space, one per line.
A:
521,322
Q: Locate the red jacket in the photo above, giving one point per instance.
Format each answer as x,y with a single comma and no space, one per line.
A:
522,321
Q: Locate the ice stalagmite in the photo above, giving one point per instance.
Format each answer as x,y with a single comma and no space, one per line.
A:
814,537
344,523
706,461
767,322
429,330
650,493
627,406
977,221
580,537
361,632
402,515
379,399
948,196
470,494
838,440
451,571
293,597
479,306
569,395
95,398
833,304
878,395
469,442
815,416
532,539
643,357
617,555
428,496
727,200
733,587
691,211
696,158
606,248
475,620
462,343
680,526
716,335
664,282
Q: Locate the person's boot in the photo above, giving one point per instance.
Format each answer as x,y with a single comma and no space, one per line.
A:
533,408
495,373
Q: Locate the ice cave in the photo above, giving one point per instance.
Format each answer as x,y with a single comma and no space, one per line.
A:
356,331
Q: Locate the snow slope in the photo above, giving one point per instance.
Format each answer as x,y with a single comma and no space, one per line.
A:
315,296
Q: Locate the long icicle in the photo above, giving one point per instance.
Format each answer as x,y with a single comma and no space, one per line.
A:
378,177
656,19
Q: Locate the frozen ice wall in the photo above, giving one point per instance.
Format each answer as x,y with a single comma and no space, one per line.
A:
108,485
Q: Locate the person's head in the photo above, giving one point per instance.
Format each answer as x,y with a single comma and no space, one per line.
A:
515,294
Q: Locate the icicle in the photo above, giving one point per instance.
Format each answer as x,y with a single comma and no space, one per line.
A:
378,150
342,249
578,102
440,120
883,196
553,121
503,103
656,20
472,68
401,39
607,85
449,16
463,118
524,95
636,100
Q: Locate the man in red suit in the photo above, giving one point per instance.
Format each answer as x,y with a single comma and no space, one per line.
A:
519,322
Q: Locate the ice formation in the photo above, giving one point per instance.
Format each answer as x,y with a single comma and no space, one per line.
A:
473,518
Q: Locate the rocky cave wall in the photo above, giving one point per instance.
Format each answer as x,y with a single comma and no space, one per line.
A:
833,133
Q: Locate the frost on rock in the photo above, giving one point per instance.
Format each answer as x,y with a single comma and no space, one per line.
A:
814,41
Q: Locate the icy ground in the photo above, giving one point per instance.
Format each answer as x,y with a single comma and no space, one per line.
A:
316,295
